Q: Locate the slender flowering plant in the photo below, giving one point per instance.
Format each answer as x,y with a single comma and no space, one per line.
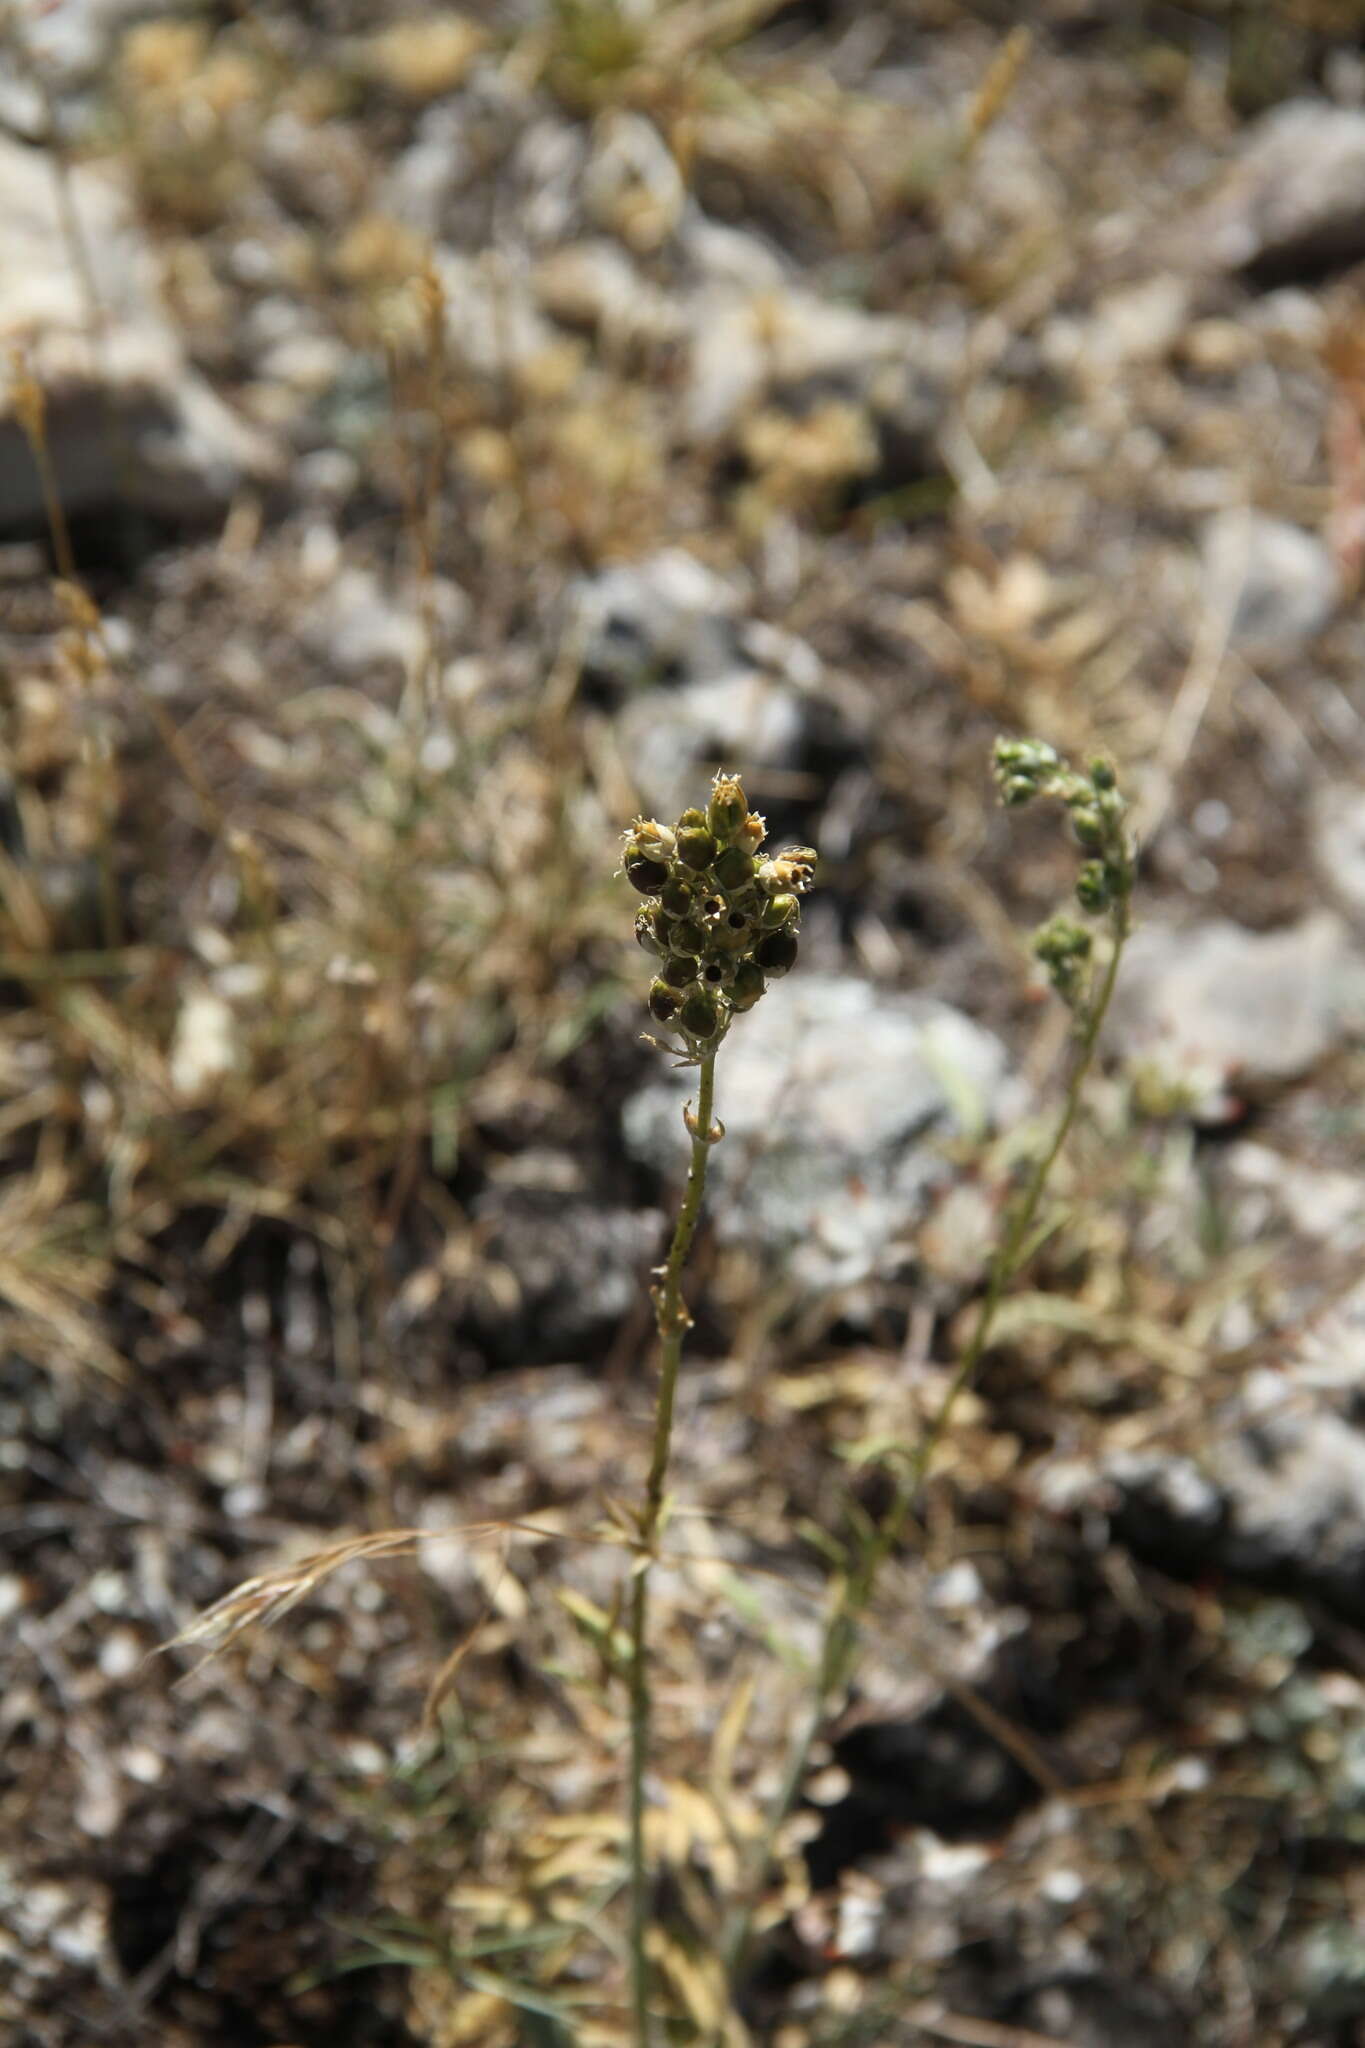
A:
721,921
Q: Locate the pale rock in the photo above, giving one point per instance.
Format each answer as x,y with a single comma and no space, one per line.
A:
356,623
493,324
631,182
749,344
1296,200
595,285
836,1098
1337,828
1275,583
205,1047
127,419
1278,1493
1214,1012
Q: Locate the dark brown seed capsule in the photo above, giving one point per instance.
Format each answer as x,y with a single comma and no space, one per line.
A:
663,1003
699,1017
747,986
648,876
679,971
676,896
776,952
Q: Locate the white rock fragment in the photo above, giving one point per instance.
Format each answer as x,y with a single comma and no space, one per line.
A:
127,419
836,1097
205,1047
1212,1010
1275,583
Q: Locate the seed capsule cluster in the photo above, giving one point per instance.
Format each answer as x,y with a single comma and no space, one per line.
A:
1027,768
720,920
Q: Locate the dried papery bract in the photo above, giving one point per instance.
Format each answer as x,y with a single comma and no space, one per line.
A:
719,924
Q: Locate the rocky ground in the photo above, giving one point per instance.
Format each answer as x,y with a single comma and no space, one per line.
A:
426,439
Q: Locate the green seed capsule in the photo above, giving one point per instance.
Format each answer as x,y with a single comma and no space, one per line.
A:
699,1017
679,971
734,867
646,935
663,1003
692,821
777,911
688,937
731,933
747,986
676,896
648,876
696,847
1088,827
1093,891
776,952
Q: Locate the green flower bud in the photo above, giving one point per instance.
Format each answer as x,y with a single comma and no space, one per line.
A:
776,952
777,911
1017,790
734,867
648,876
679,971
1093,888
692,821
696,847
646,934
1061,939
727,809
1102,774
1034,758
676,896
1088,827
663,1003
700,1017
747,986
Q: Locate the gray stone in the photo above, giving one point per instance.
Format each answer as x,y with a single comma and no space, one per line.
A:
1296,201
702,683
1278,1492
1276,584
1337,826
836,1095
748,345
127,419
1212,1012
573,1269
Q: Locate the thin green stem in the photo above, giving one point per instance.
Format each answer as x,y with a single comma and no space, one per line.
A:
673,1322
855,1592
